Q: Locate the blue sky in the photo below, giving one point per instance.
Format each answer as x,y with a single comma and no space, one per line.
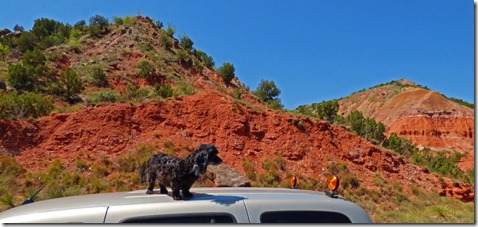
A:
313,50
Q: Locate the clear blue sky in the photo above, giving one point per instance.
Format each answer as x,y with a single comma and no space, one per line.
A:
313,50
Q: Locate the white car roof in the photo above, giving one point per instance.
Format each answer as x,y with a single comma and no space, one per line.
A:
97,205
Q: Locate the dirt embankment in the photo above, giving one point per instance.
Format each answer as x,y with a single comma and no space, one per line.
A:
239,131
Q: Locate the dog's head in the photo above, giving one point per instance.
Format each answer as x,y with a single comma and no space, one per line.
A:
204,155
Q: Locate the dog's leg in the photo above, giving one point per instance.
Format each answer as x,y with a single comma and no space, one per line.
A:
186,193
176,195
163,189
150,178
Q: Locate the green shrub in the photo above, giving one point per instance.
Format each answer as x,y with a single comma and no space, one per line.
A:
129,21
401,146
134,92
327,110
10,166
183,88
226,71
8,199
170,30
26,41
26,105
267,91
70,84
237,93
204,58
75,45
166,41
79,29
164,90
98,185
275,104
50,32
103,96
367,128
356,119
146,69
99,76
31,73
98,25
159,24
81,166
118,20
54,169
34,58
186,42
183,55
250,169
99,170
21,77
4,51
75,34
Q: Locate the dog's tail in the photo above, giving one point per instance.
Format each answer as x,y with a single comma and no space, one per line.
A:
142,172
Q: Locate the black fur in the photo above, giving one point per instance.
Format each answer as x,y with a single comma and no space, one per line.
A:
177,173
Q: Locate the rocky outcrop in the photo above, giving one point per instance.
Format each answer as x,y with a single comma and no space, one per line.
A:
5,31
464,192
225,176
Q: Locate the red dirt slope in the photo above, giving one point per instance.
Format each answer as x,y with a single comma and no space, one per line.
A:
237,130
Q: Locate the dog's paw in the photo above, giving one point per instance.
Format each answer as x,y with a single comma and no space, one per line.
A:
177,197
163,191
149,192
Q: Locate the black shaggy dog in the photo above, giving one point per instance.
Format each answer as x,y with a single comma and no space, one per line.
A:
177,173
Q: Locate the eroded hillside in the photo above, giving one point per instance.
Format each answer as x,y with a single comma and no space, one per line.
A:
426,117
240,133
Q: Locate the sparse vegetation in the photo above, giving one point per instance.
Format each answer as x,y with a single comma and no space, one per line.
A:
459,101
441,162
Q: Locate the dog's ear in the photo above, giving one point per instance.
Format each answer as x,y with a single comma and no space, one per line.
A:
211,149
202,158
195,169
200,163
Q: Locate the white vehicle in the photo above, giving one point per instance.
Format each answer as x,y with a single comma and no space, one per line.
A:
209,205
